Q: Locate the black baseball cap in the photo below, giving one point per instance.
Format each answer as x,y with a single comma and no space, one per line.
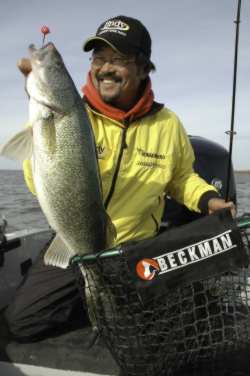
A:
124,34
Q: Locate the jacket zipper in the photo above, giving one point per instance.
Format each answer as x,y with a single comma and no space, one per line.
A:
112,188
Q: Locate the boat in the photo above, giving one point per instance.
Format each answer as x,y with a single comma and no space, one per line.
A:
227,298
196,321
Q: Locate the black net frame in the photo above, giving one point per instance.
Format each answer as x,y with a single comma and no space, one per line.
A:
202,328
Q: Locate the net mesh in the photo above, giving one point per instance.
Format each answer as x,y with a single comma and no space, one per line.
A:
202,326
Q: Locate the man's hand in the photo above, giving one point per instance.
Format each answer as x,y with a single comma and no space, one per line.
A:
24,66
218,203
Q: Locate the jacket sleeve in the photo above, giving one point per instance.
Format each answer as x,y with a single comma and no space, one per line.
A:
28,176
186,187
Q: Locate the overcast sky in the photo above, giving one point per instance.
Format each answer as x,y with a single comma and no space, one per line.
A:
193,50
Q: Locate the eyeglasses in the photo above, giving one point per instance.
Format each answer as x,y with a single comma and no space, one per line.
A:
99,61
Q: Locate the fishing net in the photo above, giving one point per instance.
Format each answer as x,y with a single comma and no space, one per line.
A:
201,327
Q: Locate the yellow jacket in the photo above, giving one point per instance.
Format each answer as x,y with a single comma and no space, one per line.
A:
140,163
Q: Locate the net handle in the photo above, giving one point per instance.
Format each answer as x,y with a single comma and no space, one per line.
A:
115,251
242,224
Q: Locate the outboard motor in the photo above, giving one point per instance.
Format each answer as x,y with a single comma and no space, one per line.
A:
211,163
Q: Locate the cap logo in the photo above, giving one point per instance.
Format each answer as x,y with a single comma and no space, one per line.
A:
115,25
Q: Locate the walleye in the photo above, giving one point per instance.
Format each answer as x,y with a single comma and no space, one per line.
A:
62,150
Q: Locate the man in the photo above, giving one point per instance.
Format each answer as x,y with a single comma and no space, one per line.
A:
144,154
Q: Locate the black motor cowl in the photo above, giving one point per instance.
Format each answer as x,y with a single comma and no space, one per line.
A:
211,163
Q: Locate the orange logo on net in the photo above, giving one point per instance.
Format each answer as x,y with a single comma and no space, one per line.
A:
147,269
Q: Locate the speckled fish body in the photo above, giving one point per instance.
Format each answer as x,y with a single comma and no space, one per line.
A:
65,167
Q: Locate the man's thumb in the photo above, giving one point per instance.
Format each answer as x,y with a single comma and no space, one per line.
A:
24,66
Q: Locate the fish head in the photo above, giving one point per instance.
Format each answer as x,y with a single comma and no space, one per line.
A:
49,82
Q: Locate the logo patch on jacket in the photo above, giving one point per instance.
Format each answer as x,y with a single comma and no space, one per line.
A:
101,151
147,154
150,159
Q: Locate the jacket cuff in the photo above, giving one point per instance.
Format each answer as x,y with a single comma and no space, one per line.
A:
203,203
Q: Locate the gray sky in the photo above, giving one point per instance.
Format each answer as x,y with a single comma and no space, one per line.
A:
193,50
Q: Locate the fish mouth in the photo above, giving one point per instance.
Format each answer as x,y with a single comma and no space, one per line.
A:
32,48
40,55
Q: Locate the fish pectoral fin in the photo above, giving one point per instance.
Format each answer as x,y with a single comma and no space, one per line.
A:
58,254
19,147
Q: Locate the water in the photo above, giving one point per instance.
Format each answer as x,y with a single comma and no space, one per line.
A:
17,204
243,192
22,210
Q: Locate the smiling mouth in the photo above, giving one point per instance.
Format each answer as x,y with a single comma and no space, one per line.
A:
108,82
108,79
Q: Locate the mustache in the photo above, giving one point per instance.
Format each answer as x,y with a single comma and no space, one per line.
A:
111,76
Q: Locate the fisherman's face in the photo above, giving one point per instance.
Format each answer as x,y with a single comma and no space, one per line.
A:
116,77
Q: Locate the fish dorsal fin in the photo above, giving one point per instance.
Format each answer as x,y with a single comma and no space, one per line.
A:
58,254
19,147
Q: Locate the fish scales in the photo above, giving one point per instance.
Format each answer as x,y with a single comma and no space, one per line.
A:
72,172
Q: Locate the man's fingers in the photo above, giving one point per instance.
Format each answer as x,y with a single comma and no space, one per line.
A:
233,209
218,203
24,66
